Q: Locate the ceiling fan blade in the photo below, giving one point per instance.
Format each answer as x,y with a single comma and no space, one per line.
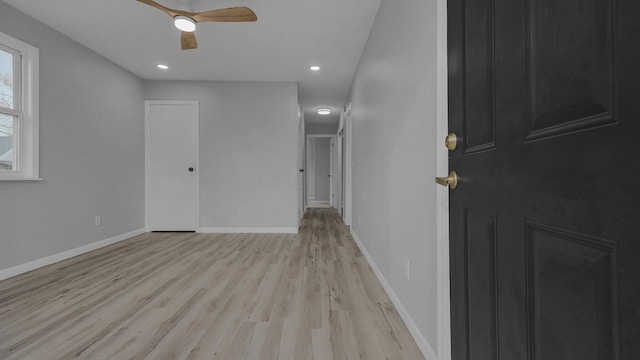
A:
232,14
188,40
171,12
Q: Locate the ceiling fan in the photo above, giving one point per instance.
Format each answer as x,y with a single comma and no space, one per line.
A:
186,21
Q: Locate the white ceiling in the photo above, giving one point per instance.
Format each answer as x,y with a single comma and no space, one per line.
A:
289,36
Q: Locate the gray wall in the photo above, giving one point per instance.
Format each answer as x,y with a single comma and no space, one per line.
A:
248,150
321,129
322,169
394,121
91,151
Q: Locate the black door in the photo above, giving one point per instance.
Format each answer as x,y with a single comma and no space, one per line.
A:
544,96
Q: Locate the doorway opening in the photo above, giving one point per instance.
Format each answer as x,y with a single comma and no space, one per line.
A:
321,170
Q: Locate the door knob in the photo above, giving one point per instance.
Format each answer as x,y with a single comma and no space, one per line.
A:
191,169
451,142
450,181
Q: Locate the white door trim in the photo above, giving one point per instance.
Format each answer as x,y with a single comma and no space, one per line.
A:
442,199
147,105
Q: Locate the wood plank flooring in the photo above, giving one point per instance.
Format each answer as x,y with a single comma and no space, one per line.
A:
301,296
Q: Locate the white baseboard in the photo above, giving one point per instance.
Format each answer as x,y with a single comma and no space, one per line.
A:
32,265
250,230
423,344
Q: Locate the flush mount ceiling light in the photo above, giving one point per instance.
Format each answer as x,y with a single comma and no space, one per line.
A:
162,66
315,68
185,23
323,111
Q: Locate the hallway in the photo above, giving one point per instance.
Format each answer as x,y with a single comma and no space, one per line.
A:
310,295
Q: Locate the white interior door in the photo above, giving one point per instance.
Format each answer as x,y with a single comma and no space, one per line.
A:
311,171
172,165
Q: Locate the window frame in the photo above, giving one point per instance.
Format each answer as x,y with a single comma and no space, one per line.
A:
25,110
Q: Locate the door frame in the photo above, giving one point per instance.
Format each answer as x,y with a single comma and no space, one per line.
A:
147,106
344,164
306,170
346,124
442,195
340,171
302,160
333,179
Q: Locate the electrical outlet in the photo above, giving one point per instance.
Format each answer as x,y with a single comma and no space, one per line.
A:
97,220
407,268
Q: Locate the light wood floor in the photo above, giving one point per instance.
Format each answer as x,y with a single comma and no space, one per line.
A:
200,296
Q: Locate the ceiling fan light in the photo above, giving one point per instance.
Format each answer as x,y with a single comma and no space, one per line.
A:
323,111
184,23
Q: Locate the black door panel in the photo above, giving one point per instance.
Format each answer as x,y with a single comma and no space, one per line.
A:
545,229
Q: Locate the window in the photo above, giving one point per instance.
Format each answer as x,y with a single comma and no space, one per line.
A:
18,110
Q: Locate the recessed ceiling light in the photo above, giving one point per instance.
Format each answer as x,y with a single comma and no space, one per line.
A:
315,68
162,66
323,111
184,23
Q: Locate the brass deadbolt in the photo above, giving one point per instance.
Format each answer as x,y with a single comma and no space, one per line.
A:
451,142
